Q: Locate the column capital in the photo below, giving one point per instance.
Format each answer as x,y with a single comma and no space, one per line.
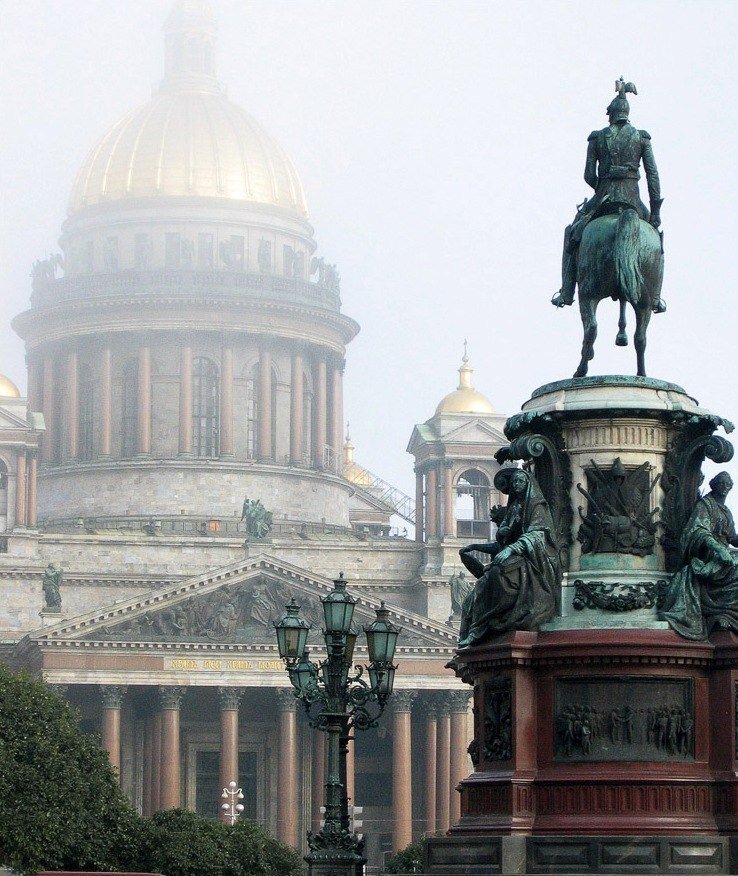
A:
230,698
286,700
429,707
458,700
112,695
402,700
171,697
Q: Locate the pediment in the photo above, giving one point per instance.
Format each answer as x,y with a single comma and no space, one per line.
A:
233,605
9,420
474,432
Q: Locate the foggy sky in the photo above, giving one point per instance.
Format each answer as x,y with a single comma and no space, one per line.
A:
441,146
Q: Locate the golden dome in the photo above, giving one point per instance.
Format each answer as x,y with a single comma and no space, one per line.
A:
7,388
190,140
465,399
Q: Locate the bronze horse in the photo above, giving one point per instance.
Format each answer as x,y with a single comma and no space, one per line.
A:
620,257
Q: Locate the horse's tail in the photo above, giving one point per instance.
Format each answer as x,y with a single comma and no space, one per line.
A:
627,244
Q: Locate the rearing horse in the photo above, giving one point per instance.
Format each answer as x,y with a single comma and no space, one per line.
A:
620,257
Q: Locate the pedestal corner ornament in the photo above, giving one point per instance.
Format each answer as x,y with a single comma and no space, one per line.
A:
601,633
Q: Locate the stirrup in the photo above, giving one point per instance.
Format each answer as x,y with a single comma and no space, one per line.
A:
561,299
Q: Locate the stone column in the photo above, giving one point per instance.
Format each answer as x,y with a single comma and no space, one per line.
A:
318,780
72,417
106,402
32,476
148,759
431,759
47,442
185,401
156,763
448,502
351,772
287,768
419,503
443,765
319,432
230,698
459,704
431,499
20,487
170,699
297,426
144,401
402,790
266,451
336,426
226,402
112,700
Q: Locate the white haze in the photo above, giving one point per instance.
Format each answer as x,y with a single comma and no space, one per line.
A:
441,146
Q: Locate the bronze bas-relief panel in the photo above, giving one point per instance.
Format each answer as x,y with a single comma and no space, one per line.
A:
623,719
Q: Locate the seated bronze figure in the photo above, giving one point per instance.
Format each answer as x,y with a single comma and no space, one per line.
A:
519,588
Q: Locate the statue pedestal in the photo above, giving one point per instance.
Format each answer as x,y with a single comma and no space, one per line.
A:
604,742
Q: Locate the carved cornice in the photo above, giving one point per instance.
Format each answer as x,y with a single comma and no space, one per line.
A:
112,695
170,697
230,698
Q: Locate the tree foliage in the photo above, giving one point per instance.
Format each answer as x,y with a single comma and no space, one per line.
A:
407,860
61,807
60,803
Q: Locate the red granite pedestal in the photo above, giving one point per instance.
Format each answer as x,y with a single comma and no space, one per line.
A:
598,751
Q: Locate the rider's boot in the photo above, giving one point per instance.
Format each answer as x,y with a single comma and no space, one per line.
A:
659,305
565,295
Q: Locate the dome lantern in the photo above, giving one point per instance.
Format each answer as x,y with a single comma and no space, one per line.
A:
189,46
465,399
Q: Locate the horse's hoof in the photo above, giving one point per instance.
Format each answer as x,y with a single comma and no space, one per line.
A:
621,340
580,372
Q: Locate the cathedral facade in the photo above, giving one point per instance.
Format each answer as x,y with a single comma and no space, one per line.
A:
185,357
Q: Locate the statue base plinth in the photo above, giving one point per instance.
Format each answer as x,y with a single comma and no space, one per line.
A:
482,856
589,743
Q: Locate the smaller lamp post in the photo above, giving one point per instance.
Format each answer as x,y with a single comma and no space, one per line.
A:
232,808
336,702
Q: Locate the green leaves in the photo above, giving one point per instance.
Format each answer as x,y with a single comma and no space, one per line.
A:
61,807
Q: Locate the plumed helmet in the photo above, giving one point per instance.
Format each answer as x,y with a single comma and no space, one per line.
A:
618,109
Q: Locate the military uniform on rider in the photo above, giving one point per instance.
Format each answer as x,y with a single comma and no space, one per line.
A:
614,156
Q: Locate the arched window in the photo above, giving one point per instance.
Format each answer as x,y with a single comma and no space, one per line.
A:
205,408
472,505
86,448
129,410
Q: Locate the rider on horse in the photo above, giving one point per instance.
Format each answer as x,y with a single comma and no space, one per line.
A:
614,155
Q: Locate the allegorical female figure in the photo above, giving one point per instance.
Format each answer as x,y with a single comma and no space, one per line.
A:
703,594
518,589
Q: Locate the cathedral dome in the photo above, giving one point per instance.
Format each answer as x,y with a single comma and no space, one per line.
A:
7,388
465,399
189,141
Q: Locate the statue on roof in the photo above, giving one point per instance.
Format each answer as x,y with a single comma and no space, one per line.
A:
613,247
51,586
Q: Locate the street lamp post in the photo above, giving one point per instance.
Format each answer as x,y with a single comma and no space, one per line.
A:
338,700
233,808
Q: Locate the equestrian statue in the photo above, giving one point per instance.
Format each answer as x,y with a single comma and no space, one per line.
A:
613,248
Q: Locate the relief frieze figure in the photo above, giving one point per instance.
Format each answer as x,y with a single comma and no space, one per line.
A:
624,719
